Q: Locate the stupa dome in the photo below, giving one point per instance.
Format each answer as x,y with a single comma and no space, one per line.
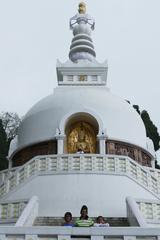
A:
114,115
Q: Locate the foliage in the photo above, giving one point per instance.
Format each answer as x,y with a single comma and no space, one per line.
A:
3,147
11,123
136,107
157,165
128,101
151,129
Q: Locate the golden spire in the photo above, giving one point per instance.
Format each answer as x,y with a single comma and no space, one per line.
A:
82,8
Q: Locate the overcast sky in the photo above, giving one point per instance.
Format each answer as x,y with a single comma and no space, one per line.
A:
34,33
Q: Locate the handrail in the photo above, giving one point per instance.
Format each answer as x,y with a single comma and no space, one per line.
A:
8,232
29,213
134,215
78,163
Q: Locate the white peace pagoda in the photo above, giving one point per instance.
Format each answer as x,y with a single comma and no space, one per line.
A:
81,145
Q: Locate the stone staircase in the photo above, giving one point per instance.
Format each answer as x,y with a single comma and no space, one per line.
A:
58,221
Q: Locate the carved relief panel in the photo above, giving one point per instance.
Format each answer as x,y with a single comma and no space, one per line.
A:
134,152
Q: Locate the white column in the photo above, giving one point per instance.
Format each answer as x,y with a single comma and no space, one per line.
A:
153,163
60,143
102,143
9,164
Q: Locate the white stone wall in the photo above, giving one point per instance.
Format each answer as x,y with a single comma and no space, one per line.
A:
104,194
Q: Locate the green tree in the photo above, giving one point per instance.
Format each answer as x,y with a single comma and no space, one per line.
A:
136,107
3,147
11,122
151,129
157,165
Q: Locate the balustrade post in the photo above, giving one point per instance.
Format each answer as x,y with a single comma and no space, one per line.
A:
3,237
82,160
139,175
17,178
31,237
97,237
70,163
154,209
149,181
128,169
10,211
129,238
158,186
0,211
143,209
49,164
59,163
117,162
94,163
64,237
7,186
47,167
38,164
26,171
3,177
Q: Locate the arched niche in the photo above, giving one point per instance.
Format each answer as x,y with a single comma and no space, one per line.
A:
81,132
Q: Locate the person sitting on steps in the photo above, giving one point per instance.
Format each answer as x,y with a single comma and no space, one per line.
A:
84,220
101,222
68,220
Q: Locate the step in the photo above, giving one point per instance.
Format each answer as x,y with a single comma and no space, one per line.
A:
59,221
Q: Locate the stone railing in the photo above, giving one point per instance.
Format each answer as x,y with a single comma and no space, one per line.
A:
81,163
68,233
11,210
150,210
4,174
155,172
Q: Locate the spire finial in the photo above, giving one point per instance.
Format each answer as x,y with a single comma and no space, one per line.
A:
82,25
82,8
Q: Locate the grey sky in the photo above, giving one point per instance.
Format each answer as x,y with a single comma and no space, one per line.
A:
34,33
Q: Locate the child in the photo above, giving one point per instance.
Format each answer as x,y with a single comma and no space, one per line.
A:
101,222
68,219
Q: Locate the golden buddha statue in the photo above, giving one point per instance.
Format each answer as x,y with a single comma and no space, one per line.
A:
82,143
82,8
81,138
